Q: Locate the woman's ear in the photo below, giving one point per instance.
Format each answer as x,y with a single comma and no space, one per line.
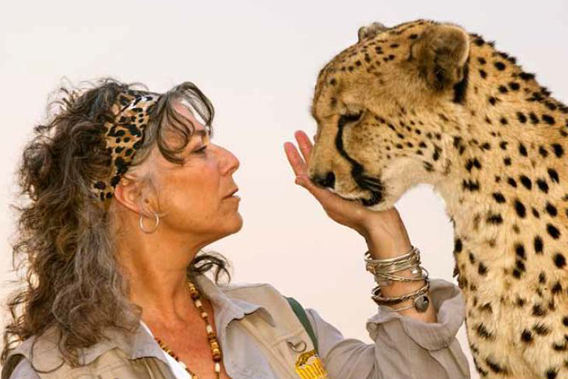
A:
128,193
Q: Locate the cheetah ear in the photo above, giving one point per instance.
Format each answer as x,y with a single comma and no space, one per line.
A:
441,54
366,32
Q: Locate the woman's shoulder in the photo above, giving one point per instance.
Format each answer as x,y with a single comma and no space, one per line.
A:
42,348
263,295
42,356
258,293
19,368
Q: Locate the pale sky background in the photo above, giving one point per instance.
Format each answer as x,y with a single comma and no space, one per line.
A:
258,62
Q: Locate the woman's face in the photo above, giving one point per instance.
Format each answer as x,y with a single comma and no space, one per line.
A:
198,197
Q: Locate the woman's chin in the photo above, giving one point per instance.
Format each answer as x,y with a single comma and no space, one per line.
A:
233,223
239,222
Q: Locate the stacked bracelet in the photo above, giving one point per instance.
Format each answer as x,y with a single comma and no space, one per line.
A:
385,271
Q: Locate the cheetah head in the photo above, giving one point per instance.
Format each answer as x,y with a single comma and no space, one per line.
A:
377,100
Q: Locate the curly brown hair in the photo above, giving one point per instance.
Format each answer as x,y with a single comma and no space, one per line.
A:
64,240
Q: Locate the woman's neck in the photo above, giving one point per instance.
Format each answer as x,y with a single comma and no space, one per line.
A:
156,269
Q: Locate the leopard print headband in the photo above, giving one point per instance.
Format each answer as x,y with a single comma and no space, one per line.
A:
123,137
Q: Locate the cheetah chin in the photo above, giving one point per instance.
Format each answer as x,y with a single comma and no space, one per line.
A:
428,102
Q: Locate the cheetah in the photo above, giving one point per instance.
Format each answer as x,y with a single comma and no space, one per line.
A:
428,102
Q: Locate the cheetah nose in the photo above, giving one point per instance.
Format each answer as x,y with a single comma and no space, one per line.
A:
327,180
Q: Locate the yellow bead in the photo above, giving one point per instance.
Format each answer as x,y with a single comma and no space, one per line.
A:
193,291
217,355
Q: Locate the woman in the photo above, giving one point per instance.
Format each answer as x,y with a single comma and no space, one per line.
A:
126,189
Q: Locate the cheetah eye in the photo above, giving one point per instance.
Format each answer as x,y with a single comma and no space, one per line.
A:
347,118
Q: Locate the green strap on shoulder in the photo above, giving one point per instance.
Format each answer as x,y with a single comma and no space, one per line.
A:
301,314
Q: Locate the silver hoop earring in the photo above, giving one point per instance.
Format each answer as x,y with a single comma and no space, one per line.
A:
156,216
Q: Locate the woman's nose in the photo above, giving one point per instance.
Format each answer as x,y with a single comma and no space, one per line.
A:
229,162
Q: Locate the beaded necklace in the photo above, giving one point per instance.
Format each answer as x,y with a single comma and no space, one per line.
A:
211,336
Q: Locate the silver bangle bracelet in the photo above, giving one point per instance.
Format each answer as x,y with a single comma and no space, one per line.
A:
381,300
421,303
384,269
391,265
390,260
384,279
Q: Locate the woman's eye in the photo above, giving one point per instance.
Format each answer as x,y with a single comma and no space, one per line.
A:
201,150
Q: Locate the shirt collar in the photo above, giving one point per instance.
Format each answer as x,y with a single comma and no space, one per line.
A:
227,308
141,344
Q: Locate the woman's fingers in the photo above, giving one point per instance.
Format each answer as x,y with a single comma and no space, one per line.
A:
305,145
295,160
345,212
337,208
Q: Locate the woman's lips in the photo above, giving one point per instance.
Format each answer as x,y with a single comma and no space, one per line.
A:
232,194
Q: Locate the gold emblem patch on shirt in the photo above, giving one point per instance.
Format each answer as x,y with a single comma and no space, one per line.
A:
310,366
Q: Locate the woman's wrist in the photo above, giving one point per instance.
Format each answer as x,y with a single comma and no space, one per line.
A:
382,249
387,237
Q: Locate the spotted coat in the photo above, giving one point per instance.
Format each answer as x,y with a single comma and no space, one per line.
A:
425,102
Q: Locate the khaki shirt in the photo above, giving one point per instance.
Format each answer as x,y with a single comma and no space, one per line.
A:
402,348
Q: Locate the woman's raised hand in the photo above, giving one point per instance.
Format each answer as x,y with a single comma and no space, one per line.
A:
384,231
